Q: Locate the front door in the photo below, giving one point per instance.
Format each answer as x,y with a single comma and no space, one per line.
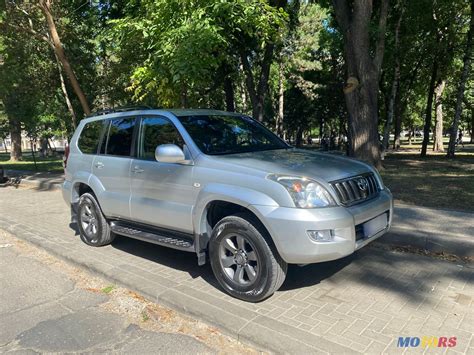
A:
112,167
162,193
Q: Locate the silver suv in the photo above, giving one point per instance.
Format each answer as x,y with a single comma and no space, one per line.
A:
224,187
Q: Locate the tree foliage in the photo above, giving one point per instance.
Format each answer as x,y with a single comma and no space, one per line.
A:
329,69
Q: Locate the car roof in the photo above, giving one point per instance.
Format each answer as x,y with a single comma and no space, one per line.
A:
200,112
176,112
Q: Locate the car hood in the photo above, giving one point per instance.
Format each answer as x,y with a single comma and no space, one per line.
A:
298,162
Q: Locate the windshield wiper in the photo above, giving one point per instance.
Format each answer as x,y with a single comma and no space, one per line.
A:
271,148
226,152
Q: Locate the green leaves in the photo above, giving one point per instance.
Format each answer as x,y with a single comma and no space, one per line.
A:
186,42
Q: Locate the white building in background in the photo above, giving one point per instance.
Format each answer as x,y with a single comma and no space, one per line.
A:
57,143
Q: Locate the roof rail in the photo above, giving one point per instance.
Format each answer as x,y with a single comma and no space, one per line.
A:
119,109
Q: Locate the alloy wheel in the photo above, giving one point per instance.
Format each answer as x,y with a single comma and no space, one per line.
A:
89,222
239,260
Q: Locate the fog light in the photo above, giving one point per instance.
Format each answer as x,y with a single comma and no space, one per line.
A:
325,235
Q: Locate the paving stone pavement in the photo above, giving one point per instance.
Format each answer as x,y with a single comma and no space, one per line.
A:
361,303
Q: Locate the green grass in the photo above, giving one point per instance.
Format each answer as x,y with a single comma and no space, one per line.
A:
52,164
145,316
108,289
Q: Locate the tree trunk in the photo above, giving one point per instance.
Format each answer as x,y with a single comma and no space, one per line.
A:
242,88
429,108
70,108
229,94
438,133
45,6
249,83
395,84
362,86
462,86
258,92
472,125
15,135
43,147
391,107
399,111
281,101
299,137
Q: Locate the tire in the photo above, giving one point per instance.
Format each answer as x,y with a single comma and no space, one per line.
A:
251,270
93,227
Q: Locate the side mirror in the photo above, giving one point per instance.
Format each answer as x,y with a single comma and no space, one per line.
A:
169,153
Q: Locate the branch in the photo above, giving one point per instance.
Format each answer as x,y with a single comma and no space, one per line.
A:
30,29
35,34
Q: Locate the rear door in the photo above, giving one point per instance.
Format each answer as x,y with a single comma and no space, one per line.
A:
162,193
112,167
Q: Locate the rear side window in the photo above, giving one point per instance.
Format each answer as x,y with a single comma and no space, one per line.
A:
156,131
119,141
90,136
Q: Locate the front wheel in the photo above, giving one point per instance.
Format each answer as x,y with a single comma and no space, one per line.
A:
244,260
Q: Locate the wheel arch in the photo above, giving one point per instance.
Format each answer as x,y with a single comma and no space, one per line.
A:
83,183
219,201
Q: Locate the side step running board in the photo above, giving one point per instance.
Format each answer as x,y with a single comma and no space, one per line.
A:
153,236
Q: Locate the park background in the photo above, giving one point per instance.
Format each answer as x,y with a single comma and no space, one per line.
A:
389,82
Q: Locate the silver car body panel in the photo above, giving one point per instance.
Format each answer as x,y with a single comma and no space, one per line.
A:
162,194
176,196
113,175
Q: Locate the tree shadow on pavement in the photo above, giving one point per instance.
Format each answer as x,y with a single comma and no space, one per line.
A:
412,276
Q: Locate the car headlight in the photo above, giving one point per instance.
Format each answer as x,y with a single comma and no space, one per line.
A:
306,193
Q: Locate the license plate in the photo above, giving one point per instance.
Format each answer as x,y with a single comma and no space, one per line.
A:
375,225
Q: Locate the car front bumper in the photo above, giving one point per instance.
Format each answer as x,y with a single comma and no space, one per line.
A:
289,228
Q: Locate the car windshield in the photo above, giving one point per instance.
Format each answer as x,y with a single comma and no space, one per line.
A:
225,134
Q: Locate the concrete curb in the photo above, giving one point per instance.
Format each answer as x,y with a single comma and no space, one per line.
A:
403,237
38,180
432,230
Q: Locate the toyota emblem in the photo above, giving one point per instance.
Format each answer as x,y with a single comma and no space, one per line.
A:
363,184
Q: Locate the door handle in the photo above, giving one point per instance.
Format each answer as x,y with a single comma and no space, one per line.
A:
137,170
99,165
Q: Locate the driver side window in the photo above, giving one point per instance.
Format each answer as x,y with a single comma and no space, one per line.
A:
157,131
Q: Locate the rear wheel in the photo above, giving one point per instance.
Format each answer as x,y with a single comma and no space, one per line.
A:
93,227
244,259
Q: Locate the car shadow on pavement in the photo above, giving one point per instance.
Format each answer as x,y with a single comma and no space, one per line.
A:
407,275
172,258
184,261
313,274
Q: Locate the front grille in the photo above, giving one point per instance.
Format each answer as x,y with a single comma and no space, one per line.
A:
356,189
